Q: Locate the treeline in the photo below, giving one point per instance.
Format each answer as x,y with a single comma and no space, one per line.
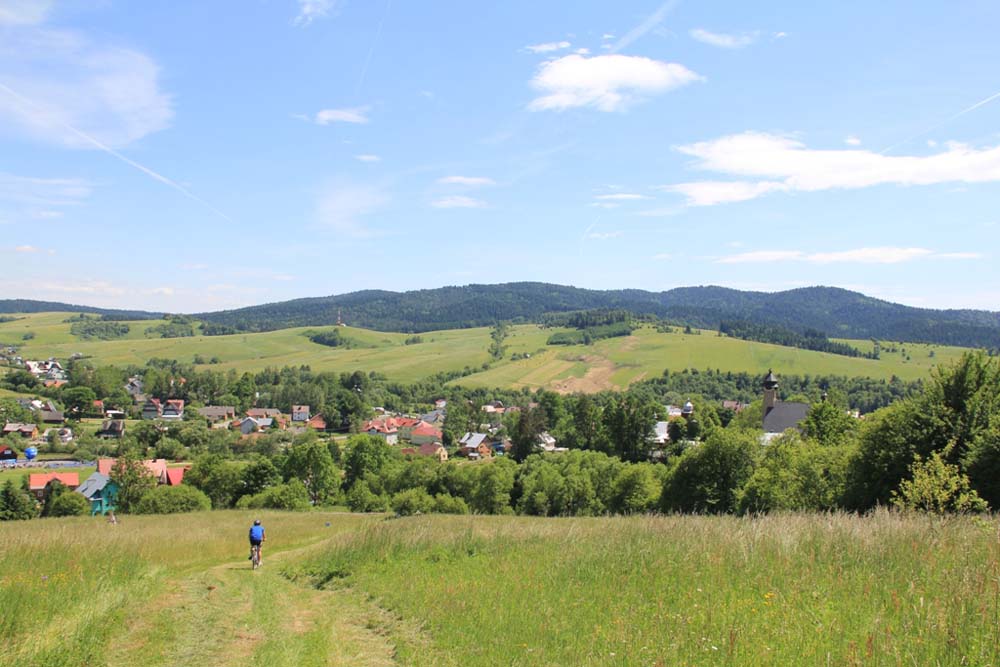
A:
333,338
809,339
174,326
588,335
88,329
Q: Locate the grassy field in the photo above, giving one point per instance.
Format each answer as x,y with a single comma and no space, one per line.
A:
340,589
780,590
608,364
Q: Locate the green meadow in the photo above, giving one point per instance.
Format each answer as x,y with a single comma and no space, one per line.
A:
339,589
607,364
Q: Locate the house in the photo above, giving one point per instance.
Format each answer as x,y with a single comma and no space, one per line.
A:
424,434
152,409
249,425
661,435
262,413
547,443
173,410
97,407
300,413
435,449
175,476
217,413
434,417
440,404
735,406
100,491
475,446
779,416
133,386
317,423
112,429
23,430
7,454
38,482
64,435
156,467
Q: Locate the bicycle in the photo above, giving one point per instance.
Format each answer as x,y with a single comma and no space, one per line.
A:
254,556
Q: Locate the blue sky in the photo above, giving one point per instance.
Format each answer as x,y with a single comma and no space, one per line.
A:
188,156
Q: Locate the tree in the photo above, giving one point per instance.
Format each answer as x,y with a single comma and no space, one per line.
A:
69,504
16,504
366,454
260,475
361,498
173,500
498,334
708,478
412,501
217,478
494,483
311,463
829,425
798,475
291,496
630,421
937,487
12,411
636,490
133,480
53,490
524,438
79,400
588,427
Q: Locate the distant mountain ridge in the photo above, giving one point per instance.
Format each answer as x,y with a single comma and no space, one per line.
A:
837,312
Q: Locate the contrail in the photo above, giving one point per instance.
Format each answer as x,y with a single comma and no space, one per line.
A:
944,122
371,49
107,149
651,22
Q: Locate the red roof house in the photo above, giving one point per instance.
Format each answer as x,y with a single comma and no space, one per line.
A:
38,481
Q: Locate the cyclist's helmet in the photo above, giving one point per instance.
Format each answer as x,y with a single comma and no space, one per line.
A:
256,522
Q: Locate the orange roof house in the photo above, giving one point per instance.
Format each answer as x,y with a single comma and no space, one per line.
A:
37,482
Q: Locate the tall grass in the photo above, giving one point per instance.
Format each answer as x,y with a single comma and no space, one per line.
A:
68,585
778,590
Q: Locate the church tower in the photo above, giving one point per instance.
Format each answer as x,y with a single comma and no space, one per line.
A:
770,391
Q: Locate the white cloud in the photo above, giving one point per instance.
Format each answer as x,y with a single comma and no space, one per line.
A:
310,10
606,83
604,236
367,157
343,208
582,52
785,164
458,201
852,140
780,35
45,192
722,40
27,249
24,12
58,81
875,255
622,196
353,115
548,47
606,36
471,181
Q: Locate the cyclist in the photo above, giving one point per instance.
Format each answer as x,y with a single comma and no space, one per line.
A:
257,538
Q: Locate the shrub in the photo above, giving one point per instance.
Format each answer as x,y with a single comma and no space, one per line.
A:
291,496
937,487
173,500
69,504
412,501
361,498
445,504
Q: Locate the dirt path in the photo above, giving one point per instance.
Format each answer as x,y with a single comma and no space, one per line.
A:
230,615
597,378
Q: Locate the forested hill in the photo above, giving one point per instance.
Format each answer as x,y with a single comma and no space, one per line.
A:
834,311
838,313
33,306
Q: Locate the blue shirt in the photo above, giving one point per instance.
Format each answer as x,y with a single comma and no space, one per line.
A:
256,533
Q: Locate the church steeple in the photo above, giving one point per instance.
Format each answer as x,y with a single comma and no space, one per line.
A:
770,391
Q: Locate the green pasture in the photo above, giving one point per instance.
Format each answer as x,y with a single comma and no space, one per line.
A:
883,589
607,364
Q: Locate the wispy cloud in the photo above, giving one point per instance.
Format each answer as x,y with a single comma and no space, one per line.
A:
310,10
353,115
723,40
24,12
852,140
458,201
606,83
58,79
30,249
786,165
651,22
367,157
44,192
344,208
622,196
471,181
604,236
548,47
874,255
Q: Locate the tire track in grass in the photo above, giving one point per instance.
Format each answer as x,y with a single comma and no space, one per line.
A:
230,615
